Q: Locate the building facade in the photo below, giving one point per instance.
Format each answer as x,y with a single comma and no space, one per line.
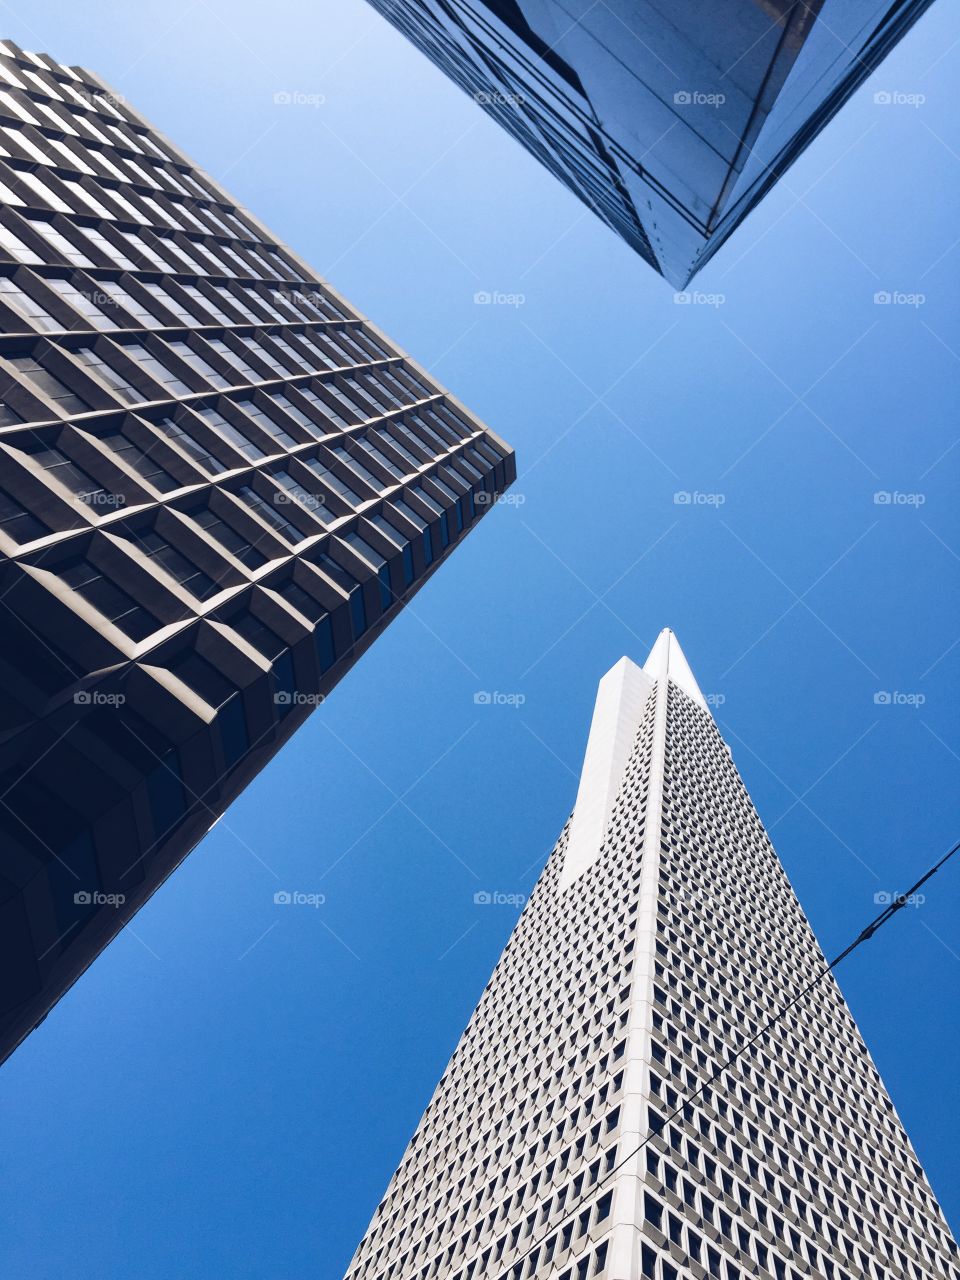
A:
661,936
219,484
669,121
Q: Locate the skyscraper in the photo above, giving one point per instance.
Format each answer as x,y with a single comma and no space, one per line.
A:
671,122
662,934
219,485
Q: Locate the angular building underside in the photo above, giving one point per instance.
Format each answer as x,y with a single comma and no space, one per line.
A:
219,484
670,121
661,936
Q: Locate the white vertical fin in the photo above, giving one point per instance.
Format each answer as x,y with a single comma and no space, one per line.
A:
621,698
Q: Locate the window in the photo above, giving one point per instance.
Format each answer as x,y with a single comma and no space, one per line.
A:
139,461
190,444
197,362
256,633
269,512
68,473
293,491
13,247
81,302
377,561
266,423
332,480
358,610
228,535
124,389
21,302
232,433
175,563
398,540
171,384
17,522
50,387
105,596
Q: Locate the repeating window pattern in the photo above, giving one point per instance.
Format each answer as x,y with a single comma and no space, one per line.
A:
599,1019
210,465
526,1119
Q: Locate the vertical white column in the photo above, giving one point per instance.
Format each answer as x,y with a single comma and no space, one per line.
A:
624,1256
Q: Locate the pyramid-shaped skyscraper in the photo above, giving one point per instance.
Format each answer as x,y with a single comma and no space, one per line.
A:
661,936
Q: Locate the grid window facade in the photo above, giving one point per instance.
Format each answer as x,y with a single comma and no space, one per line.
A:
220,484
550,1151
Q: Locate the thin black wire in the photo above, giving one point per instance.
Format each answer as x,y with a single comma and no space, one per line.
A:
898,903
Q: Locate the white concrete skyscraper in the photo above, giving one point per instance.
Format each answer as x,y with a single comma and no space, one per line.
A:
661,937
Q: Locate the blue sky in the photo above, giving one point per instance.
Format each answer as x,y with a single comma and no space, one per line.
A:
228,1089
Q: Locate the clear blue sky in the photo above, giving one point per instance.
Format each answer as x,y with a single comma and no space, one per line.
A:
228,1089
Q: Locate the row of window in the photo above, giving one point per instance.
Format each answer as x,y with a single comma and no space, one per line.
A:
52,300
542,1032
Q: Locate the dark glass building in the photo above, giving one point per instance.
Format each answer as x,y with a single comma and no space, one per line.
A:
671,121
218,484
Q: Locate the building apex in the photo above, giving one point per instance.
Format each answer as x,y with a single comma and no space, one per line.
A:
667,660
